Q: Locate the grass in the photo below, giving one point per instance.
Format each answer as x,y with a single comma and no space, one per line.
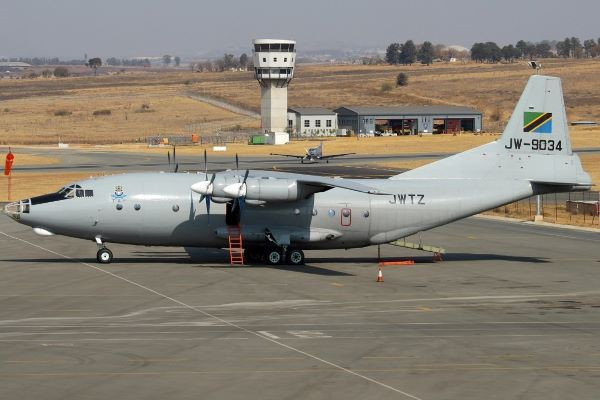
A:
494,89
31,120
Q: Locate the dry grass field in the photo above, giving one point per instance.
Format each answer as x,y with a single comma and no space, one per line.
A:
44,110
133,113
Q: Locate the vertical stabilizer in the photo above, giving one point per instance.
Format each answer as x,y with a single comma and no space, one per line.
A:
539,122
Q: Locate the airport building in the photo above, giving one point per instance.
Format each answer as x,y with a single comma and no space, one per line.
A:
409,120
312,121
274,61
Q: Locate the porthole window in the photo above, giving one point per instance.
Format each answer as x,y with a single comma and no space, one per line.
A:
366,214
314,211
331,213
137,207
297,211
119,206
175,207
346,212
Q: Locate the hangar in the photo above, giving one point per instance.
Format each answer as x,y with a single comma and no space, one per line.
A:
409,120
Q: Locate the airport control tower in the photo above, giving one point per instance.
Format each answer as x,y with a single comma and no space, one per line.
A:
274,69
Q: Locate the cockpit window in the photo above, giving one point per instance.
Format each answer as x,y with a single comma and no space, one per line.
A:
67,192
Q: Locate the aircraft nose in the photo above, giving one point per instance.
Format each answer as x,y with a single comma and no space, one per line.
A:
12,209
15,209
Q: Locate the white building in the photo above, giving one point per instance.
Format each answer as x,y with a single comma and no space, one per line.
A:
312,121
274,61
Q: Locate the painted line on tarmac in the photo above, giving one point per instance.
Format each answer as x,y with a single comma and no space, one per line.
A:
254,333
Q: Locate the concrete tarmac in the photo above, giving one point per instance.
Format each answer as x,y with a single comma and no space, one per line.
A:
512,312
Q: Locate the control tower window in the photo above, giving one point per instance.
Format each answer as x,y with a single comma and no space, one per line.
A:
257,47
285,47
264,59
292,48
264,47
274,59
285,59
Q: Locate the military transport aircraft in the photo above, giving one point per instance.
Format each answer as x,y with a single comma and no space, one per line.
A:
314,154
281,214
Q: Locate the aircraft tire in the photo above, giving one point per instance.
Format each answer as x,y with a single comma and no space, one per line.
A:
273,256
104,256
295,257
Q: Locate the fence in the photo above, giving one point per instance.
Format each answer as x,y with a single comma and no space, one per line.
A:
574,208
220,138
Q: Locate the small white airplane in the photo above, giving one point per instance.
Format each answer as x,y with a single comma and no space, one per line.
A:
314,154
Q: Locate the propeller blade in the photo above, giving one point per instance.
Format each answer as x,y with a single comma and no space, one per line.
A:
237,162
169,157
176,168
174,156
245,177
205,165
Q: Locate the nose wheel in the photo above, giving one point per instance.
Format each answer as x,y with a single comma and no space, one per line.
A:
104,256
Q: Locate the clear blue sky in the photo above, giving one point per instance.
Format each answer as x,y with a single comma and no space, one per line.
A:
70,28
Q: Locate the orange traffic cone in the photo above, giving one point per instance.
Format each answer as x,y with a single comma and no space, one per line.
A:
380,276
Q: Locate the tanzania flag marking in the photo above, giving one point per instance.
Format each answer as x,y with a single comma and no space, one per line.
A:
537,122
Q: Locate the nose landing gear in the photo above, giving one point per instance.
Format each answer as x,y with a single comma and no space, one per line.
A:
104,255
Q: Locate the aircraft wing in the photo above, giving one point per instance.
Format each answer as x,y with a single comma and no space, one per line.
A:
288,155
326,183
335,155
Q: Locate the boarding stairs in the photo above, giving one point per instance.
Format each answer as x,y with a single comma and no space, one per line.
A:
236,251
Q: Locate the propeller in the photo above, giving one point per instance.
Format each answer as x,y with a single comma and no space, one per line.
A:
205,165
237,162
169,157
175,160
240,198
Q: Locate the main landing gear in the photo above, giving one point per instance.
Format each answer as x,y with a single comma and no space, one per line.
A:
104,255
274,255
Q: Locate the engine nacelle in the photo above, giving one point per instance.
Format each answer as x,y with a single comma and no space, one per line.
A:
266,189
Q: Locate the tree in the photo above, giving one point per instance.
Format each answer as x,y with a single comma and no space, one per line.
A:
229,62
522,47
576,48
166,59
425,53
244,61
402,79
177,61
408,53
392,54
590,47
94,63
509,53
479,52
61,72
543,50
564,48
